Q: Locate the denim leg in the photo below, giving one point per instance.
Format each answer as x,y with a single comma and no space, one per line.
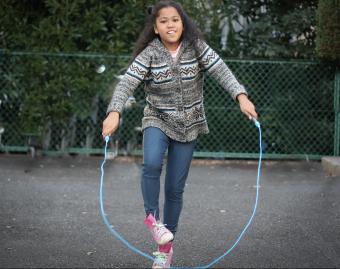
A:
155,144
178,164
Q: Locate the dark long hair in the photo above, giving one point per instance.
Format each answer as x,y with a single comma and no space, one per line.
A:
190,32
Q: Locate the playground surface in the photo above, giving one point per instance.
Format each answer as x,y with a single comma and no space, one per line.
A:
50,218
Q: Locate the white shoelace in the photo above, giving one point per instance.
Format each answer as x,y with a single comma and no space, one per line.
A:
161,229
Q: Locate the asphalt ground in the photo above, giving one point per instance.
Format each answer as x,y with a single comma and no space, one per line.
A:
50,218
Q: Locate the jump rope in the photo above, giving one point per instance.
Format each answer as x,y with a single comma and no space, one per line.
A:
136,250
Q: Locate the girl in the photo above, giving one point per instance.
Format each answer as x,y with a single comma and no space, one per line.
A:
170,58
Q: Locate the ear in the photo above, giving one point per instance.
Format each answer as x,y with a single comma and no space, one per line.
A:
155,29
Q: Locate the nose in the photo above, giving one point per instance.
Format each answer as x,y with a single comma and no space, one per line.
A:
170,24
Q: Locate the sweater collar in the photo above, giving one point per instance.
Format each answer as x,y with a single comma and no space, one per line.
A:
165,52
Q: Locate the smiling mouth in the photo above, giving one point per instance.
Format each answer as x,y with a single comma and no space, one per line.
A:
171,32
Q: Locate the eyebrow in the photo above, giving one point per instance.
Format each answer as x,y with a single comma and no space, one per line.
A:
168,17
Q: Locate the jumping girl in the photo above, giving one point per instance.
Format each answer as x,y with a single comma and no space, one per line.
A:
169,58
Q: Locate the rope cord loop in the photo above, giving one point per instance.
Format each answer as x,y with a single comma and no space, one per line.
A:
104,215
147,256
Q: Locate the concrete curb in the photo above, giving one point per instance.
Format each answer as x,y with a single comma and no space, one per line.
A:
331,165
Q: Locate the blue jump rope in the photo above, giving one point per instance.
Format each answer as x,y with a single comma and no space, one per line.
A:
131,247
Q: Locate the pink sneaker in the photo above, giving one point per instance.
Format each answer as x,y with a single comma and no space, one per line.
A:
158,230
163,256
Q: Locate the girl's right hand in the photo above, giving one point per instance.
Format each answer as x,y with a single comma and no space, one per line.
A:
110,124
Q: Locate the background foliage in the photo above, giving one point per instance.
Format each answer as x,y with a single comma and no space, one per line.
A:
328,38
265,28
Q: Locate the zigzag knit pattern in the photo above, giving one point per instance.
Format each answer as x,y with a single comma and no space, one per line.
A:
137,70
208,58
174,89
161,75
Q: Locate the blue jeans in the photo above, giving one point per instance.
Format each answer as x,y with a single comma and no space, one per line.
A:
155,144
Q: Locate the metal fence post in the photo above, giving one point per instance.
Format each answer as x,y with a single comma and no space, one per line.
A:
337,112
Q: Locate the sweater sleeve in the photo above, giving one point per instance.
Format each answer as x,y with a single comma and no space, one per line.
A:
135,74
215,66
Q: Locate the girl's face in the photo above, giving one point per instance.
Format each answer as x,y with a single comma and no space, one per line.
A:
169,26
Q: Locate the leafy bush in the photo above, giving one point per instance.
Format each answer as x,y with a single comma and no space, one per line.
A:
328,30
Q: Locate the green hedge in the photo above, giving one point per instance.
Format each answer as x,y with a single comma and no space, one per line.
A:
328,30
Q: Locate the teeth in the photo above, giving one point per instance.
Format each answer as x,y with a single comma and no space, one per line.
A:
171,32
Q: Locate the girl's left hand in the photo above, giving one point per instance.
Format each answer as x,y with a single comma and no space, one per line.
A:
247,107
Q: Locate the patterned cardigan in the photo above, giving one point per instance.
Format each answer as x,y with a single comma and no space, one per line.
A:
174,88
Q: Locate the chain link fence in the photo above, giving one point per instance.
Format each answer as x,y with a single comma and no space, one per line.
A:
57,102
